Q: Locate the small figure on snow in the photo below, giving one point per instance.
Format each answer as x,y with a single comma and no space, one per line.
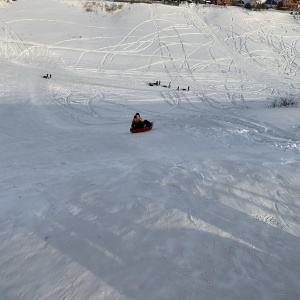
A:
167,86
186,89
138,122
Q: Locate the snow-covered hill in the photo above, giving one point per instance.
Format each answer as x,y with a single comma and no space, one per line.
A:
206,205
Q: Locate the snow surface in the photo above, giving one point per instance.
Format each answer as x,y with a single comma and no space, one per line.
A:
204,206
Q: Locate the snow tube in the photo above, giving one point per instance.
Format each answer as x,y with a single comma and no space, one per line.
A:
136,130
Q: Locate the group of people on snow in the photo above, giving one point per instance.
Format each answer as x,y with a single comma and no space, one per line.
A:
47,76
157,83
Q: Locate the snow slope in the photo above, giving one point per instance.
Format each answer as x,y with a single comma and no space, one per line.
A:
206,205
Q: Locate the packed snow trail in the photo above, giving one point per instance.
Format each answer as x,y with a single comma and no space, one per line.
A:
206,204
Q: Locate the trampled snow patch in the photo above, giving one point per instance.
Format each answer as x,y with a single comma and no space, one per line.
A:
203,206
40,57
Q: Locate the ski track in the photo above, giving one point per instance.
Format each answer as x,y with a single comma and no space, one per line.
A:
192,19
245,251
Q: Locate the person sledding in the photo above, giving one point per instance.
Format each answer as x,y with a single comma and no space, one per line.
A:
138,122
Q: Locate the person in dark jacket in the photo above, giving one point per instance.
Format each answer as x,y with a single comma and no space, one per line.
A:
138,122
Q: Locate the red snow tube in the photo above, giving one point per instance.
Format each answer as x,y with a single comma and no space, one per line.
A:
136,130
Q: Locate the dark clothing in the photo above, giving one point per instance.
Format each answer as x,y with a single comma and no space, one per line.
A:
147,123
138,122
141,124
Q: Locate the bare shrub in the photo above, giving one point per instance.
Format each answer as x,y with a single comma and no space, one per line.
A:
284,102
89,6
113,7
95,7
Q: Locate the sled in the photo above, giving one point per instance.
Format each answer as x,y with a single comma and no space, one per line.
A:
142,129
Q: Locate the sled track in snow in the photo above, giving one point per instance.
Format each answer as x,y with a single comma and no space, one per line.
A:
13,45
233,86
